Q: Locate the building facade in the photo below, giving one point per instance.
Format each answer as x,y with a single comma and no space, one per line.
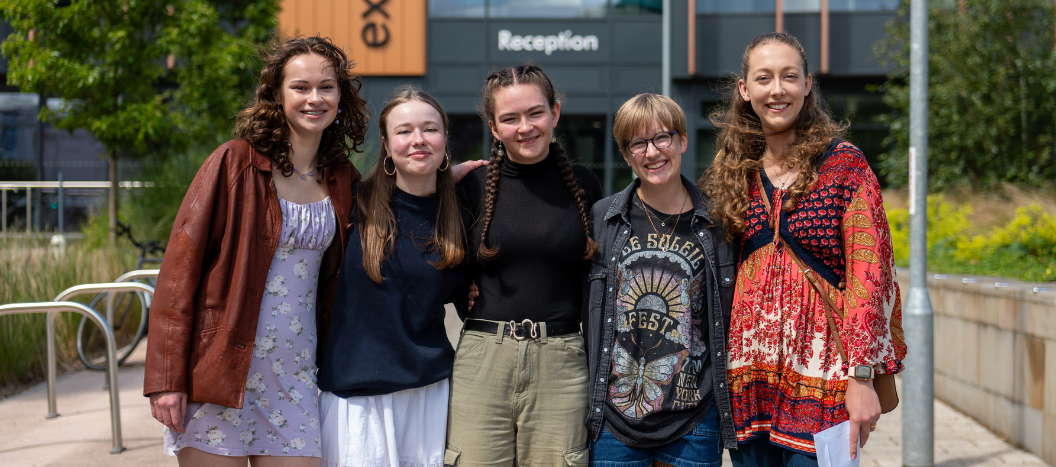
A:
599,53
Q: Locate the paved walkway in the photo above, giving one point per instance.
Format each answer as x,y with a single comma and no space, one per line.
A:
81,435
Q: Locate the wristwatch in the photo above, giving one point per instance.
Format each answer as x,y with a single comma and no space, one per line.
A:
862,372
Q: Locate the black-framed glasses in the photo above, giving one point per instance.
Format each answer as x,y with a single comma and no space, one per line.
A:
661,140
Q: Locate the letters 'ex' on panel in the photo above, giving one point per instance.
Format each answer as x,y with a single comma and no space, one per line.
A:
384,37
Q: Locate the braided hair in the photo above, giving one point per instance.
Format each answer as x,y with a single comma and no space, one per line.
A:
504,78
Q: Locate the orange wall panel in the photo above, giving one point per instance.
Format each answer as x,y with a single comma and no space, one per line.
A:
384,37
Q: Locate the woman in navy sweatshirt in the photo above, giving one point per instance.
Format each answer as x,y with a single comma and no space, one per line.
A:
385,373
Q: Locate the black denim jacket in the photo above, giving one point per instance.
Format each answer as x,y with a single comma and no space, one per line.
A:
612,227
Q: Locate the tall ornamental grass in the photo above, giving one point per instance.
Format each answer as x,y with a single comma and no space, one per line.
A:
29,272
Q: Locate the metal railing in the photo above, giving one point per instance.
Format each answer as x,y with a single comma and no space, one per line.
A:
60,185
129,277
111,299
59,305
138,274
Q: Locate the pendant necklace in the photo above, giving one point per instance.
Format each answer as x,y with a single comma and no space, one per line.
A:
786,177
784,182
649,215
304,176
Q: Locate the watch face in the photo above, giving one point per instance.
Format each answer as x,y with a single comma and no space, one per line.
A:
862,372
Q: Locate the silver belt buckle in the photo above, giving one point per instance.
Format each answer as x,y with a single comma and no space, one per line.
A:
517,331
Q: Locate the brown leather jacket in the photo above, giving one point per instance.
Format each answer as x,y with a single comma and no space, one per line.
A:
203,318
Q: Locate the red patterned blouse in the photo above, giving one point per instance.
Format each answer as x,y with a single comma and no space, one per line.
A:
786,376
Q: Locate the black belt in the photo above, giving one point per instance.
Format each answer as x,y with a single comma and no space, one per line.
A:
526,329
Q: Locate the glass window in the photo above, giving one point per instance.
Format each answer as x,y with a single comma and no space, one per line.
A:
742,6
801,6
862,111
863,5
858,108
12,168
793,6
622,175
583,138
637,7
547,8
705,149
456,8
465,138
8,135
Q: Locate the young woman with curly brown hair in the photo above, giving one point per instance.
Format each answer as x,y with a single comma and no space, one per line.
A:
816,309
247,283
519,383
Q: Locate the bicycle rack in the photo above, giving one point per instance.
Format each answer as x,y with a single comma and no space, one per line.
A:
128,277
139,274
51,308
111,351
60,304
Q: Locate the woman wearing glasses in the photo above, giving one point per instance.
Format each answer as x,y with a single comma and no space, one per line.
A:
660,294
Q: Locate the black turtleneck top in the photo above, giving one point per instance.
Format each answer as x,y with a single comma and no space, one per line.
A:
538,272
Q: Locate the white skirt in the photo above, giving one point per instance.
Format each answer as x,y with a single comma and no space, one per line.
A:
402,429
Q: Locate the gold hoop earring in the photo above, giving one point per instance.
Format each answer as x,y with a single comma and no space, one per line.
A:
447,159
386,168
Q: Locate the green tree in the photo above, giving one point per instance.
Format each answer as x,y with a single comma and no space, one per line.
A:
991,115
145,78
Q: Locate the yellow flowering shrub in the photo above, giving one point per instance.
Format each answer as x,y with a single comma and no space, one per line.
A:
1024,248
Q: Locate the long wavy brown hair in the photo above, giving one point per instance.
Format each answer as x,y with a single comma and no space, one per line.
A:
741,143
523,74
263,123
378,228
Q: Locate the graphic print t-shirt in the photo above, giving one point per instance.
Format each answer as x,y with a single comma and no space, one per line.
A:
660,380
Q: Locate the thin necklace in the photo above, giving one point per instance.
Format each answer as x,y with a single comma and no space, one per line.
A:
304,176
648,215
786,178
784,182
664,221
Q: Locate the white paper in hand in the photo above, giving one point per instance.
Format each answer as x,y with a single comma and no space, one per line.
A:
832,446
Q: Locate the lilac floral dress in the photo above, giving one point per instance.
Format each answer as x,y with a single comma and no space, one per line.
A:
280,416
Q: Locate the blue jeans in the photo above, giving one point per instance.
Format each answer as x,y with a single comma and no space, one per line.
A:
700,448
760,453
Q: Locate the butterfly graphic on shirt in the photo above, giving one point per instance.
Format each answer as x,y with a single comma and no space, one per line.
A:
636,391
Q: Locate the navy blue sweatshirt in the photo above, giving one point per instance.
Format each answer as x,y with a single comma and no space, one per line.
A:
390,337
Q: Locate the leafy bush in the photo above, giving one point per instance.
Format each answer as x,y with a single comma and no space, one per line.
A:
1024,248
988,63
